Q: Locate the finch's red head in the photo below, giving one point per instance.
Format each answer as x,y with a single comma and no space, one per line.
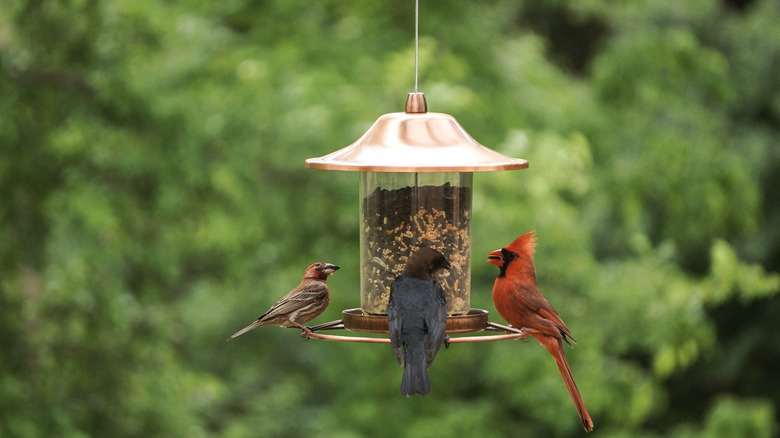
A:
319,271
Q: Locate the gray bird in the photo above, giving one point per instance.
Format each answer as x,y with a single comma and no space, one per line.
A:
417,315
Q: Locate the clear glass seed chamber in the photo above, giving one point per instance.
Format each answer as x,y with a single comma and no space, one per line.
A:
401,212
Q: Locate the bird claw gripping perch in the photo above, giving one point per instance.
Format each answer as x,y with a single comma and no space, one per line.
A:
524,336
526,331
446,341
306,333
523,331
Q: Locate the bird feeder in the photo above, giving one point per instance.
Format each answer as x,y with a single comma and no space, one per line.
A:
416,173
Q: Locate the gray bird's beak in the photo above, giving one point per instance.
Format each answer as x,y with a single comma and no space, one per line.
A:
446,269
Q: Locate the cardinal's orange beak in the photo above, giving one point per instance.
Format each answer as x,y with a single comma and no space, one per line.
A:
496,258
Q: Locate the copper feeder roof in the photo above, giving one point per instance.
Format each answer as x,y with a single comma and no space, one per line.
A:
416,141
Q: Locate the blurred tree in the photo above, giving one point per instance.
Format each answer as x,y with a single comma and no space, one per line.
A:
152,193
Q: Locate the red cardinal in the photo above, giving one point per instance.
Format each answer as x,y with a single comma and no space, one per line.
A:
518,300
304,303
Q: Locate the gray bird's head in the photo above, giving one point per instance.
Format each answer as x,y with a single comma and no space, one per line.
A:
424,263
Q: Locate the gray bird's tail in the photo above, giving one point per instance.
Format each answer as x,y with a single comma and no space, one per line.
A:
415,379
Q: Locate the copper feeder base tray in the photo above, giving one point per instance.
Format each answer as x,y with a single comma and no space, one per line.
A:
474,321
357,321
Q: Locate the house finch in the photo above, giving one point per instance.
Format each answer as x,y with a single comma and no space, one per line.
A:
518,300
417,316
304,303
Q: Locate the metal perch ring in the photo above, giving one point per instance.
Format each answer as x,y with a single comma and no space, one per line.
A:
512,333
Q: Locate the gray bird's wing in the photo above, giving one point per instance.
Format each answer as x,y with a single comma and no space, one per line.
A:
394,323
436,321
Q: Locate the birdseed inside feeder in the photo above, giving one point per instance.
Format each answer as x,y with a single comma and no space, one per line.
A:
415,191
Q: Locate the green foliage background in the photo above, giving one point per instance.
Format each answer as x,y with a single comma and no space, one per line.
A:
153,200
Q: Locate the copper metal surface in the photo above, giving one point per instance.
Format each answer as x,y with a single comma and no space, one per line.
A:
511,333
416,142
356,320
416,103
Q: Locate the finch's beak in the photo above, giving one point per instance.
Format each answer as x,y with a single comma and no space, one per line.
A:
330,268
496,258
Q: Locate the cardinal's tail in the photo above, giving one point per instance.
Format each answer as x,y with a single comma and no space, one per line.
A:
415,379
555,347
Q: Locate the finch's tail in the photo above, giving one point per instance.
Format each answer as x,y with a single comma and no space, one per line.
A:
555,347
415,379
254,325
